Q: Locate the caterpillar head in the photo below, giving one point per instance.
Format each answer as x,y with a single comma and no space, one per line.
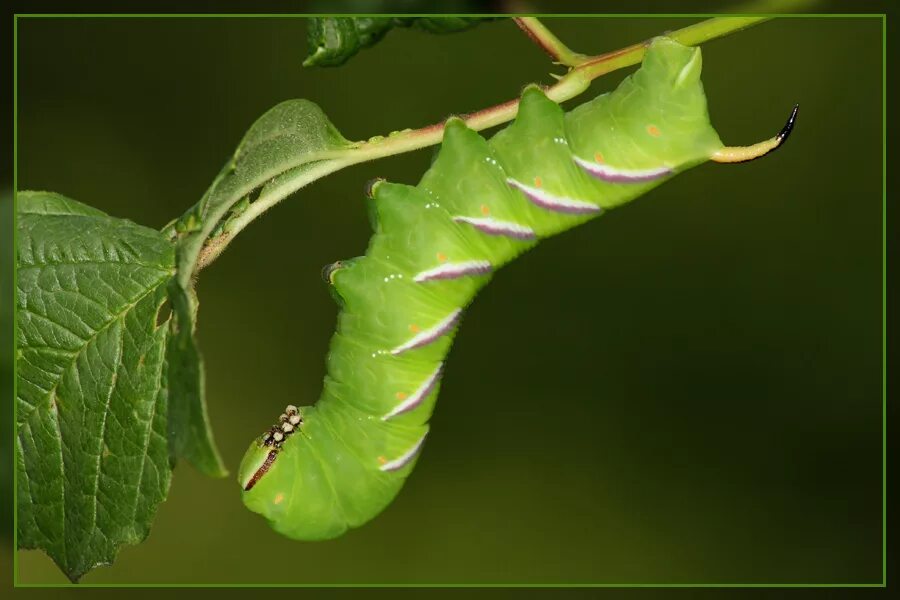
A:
264,450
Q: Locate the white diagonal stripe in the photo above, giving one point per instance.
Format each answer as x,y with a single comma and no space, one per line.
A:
549,201
429,335
416,397
404,459
454,269
495,227
614,175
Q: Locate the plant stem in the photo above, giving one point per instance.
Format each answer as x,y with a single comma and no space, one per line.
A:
548,42
692,35
575,82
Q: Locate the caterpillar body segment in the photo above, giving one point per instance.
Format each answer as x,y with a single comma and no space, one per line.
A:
480,205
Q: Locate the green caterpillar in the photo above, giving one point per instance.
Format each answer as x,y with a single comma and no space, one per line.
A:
337,464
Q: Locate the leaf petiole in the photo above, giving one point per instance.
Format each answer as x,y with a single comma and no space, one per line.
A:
549,43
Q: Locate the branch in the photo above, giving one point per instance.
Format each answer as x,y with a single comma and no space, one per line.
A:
549,43
575,82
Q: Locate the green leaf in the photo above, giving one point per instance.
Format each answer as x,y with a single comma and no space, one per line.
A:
331,41
282,143
92,454
287,135
190,434
291,135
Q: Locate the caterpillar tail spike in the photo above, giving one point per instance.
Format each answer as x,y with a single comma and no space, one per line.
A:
324,468
739,154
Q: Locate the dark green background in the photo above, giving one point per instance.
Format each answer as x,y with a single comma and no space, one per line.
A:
686,390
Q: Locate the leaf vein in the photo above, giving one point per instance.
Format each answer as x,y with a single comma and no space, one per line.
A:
120,350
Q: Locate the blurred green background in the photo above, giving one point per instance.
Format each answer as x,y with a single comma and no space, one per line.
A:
686,390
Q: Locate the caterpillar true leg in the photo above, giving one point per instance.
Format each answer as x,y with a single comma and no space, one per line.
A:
481,204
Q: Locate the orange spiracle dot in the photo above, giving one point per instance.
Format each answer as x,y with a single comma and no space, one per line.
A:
414,328
598,157
400,395
537,182
441,256
382,459
279,498
653,130
485,210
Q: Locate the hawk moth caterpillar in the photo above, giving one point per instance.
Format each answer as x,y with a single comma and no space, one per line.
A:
339,463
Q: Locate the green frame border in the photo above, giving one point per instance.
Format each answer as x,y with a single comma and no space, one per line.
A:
882,584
